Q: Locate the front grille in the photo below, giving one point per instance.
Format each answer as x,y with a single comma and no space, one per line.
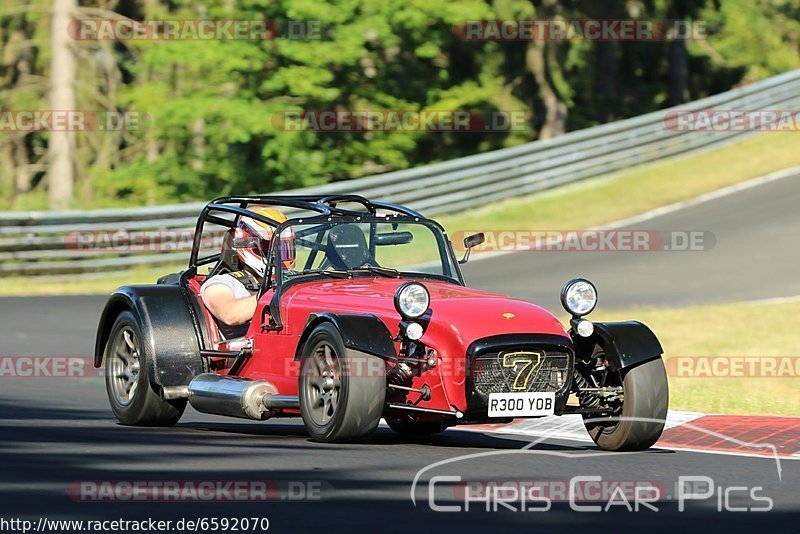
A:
517,363
518,370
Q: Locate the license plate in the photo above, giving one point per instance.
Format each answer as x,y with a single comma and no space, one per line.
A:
521,404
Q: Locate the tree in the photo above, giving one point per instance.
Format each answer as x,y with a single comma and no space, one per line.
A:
210,110
61,148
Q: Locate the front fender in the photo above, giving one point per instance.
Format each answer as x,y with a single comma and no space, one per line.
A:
360,332
626,343
170,338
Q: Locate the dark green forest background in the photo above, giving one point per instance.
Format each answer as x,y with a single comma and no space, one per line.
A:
210,104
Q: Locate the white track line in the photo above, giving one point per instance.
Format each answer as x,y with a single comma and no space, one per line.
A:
571,426
573,430
775,300
702,199
587,440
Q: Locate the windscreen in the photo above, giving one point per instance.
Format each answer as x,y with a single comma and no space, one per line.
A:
363,246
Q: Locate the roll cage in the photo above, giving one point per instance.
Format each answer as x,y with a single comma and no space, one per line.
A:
305,209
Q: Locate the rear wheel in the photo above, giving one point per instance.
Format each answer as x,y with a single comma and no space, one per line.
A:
341,396
130,392
638,415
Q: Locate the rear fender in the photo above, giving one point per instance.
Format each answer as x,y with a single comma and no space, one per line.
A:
171,342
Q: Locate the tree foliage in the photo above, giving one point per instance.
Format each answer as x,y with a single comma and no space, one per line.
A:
211,105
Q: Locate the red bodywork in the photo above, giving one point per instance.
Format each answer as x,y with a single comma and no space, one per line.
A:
459,316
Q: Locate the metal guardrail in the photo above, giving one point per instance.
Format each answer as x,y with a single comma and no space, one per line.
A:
48,243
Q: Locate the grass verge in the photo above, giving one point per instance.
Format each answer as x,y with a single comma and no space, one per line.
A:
104,284
618,196
730,330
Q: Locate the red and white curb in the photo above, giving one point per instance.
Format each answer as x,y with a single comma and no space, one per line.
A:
738,434
741,435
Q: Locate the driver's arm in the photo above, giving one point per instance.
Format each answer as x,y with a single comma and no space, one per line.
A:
220,301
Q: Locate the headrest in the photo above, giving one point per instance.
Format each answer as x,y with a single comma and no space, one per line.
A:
347,247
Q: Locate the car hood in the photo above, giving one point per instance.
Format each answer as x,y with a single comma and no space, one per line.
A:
466,313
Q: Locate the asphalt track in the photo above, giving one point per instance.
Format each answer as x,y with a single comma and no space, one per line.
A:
55,432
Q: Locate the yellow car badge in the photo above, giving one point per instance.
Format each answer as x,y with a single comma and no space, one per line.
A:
509,315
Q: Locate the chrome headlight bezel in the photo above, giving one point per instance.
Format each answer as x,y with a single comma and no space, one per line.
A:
412,300
570,297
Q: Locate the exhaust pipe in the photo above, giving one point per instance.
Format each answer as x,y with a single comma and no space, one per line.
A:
231,396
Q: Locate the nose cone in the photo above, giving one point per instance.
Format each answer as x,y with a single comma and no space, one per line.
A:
478,316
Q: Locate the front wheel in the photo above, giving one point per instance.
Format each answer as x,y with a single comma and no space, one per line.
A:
638,417
130,392
341,395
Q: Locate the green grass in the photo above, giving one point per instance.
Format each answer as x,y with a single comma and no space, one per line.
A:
20,286
584,205
743,329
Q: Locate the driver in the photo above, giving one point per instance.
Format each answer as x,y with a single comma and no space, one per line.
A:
231,298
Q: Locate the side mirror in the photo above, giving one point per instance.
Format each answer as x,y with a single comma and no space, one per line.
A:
469,243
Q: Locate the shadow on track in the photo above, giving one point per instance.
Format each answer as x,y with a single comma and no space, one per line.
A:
365,486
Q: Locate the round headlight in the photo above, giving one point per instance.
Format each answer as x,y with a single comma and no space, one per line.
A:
412,300
579,297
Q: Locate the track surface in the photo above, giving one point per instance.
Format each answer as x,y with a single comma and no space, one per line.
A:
56,431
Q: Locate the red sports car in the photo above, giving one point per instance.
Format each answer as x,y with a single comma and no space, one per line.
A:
362,313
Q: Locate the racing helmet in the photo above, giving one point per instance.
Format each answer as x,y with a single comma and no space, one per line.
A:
254,236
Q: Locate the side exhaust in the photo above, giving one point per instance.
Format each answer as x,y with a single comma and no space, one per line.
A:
236,397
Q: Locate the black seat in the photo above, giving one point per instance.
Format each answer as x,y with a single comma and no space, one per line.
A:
347,247
228,257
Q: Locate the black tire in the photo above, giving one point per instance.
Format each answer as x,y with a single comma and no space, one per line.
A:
640,422
341,396
416,428
131,394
